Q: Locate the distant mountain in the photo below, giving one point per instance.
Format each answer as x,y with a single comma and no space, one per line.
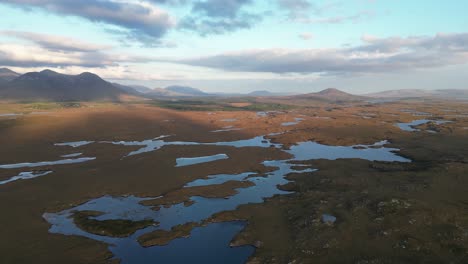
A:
419,93
7,75
400,93
141,88
261,93
161,92
127,89
332,95
52,86
171,91
186,90
453,94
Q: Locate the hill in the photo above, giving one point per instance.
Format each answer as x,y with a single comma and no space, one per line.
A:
48,85
261,93
141,88
170,91
161,92
186,90
331,95
128,89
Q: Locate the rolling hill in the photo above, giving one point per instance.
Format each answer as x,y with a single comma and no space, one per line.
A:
261,93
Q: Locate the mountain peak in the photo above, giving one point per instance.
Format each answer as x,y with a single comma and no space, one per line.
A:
7,71
331,95
89,76
261,93
7,74
48,72
331,91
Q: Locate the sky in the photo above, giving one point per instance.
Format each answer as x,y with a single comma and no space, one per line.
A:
231,46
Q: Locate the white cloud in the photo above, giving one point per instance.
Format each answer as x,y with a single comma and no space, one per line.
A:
306,36
376,55
53,42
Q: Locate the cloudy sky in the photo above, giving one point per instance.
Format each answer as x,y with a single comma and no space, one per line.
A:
244,45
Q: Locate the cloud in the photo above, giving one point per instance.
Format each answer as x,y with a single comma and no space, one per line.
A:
34,56
214,17
136,17
304,11
170,2
121,72
306,36
296,9
55,43
57,51
209,26
112,73
375,55
338,19
442,42
220,8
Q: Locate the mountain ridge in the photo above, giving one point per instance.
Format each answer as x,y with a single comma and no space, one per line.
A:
48,85
7,75
459,94
187,90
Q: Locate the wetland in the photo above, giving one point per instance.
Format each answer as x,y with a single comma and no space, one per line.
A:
262,191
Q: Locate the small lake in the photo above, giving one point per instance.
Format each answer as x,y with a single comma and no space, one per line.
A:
297,121
73,155
159,142
312,150
195,249
410,125
416,113
10,115
219,179
181,162
26,176
226,129
268,113
45,163
75,144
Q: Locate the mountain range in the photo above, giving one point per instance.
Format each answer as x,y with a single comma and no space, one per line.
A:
455,94
48,85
